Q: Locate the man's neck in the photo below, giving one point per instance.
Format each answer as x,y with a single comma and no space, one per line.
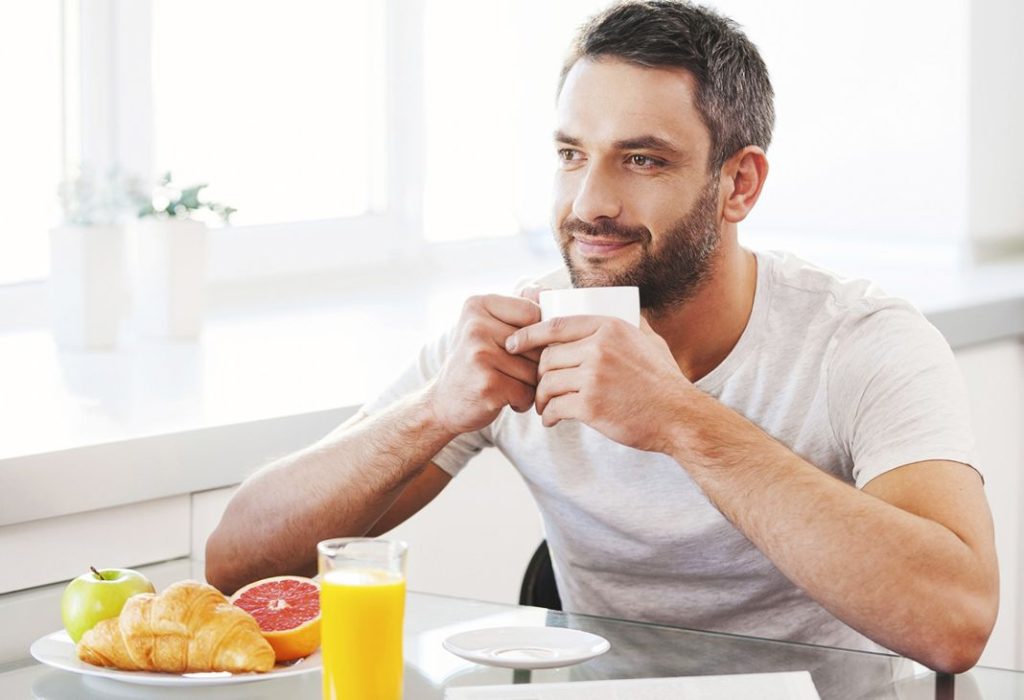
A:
704,330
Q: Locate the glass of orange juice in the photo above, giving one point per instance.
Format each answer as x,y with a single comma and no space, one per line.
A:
362,606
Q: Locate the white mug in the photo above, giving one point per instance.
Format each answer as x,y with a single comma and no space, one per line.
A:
619,302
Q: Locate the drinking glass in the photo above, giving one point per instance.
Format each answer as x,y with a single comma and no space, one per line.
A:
362,606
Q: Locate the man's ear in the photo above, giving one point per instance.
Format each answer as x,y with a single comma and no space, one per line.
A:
742,178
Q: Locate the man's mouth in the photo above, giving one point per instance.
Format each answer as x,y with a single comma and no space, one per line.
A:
593,247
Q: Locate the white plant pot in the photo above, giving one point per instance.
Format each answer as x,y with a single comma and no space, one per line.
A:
168,277
87,285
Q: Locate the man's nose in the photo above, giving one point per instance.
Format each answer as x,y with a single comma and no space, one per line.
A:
597,197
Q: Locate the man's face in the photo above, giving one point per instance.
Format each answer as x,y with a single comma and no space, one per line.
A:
634,202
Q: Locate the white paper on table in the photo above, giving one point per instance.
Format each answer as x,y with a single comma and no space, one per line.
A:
795,685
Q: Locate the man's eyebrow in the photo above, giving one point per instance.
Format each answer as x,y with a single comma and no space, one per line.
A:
562,137
648,142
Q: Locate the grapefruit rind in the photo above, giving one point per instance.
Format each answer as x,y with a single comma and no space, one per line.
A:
291,643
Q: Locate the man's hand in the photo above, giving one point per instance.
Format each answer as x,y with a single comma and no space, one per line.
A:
480,377
614,377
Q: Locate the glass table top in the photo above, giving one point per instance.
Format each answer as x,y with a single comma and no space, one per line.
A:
637,651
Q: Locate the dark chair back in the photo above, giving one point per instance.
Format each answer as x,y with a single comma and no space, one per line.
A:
539,588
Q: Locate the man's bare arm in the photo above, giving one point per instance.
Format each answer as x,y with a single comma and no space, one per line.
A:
909,561
375,472
338,487
420,491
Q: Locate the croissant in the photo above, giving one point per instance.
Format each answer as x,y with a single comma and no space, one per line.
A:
190,627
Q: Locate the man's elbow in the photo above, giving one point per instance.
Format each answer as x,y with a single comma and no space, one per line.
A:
955,656
221,570
957,647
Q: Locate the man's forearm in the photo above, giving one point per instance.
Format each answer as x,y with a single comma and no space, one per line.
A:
337,487
343,484
901,579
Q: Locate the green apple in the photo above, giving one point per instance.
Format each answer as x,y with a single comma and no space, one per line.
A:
98,595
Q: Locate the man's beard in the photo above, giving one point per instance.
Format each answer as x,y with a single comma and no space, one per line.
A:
668,274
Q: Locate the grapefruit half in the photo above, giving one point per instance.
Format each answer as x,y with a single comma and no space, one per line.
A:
287,609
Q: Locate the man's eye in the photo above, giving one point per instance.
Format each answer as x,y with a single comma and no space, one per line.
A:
641,161
568,154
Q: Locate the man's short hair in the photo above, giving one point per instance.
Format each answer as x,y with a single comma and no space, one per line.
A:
734,94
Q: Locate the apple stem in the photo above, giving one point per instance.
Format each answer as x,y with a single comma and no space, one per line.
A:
98,574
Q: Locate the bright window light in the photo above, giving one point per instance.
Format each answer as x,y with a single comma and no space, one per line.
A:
277,105
491,70
30,135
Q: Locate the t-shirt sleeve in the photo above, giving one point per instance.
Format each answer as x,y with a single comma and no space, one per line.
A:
457,453
896,395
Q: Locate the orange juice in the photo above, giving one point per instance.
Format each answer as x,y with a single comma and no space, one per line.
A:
361,612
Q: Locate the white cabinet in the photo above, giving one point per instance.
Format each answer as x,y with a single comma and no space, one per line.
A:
995,383
30,614
207,508
48,550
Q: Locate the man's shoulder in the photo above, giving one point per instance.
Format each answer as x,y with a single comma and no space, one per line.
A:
799,286
857,319
851,317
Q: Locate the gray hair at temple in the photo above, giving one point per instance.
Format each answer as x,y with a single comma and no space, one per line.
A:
734,94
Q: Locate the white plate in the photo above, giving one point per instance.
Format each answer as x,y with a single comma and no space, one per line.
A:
58,650
527,647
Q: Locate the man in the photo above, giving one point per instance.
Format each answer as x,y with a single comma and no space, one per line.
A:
774,452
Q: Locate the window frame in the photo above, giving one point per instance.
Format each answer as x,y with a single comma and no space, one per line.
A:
111,76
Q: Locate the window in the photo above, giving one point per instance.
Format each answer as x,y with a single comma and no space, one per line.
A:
278,105
490,75
30,135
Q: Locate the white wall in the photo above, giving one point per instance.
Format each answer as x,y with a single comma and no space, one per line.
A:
871,103
996,115
994,374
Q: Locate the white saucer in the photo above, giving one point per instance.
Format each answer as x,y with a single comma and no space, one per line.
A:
527,647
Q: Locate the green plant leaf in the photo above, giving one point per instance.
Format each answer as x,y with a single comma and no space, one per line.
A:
190,196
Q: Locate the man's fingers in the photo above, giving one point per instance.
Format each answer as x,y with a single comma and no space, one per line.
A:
492,330
560,356
519,368
519,397
498,331
533,355
564,407
515,311
555,384
562,329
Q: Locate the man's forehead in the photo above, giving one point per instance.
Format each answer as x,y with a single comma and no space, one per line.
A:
611,100
602,69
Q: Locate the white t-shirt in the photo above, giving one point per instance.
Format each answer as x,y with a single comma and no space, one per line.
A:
854,381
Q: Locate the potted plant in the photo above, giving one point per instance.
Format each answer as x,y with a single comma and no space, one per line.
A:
87,290
169,272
